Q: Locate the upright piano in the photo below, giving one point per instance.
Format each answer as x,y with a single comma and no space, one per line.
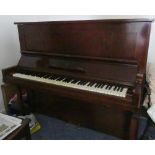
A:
91,73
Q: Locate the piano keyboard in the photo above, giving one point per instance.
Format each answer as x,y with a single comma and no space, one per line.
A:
107,89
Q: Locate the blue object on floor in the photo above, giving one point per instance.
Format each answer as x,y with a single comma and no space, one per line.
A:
55,129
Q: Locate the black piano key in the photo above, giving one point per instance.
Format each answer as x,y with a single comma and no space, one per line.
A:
66,80
99,85
52,77
115,88
63,77
84,82
102,85
121,89
107,87
31,73
90,83
93,84
87,82
74,81
110,87
42,75
69,80
118,89
45,75
28,73
38,75
96,85
79,82
57,78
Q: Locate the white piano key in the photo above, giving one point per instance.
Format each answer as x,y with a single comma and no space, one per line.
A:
92,88
124,92
112,90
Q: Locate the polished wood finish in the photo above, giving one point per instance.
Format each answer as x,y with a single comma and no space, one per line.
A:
122,39
111,51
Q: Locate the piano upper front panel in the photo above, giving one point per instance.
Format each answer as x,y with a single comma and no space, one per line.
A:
104,70
117,40
83,42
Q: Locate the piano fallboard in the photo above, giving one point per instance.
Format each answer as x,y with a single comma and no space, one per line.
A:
123,72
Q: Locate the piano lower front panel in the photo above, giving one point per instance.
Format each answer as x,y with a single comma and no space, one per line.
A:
98,117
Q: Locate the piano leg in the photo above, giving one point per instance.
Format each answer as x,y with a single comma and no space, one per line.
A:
134,125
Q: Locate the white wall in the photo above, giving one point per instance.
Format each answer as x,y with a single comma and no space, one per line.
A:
9,43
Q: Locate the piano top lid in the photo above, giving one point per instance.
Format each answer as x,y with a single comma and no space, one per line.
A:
119,40
98,20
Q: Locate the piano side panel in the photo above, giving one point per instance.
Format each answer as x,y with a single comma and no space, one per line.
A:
116,40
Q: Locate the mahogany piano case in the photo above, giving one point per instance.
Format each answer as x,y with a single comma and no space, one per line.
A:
91,73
